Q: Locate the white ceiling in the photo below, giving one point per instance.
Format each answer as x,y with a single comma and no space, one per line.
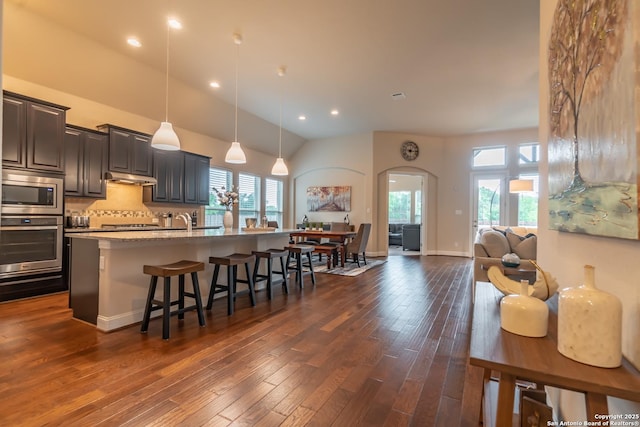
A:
465,66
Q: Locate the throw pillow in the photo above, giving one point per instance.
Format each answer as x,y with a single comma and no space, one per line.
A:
520,231
513,239
495,243
500,229
527,248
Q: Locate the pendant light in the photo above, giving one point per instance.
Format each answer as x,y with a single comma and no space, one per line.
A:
235,153
279,167
165,138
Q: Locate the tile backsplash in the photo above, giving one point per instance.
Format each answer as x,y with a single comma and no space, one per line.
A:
123,205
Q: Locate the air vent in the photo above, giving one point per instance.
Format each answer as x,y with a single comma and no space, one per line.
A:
398,96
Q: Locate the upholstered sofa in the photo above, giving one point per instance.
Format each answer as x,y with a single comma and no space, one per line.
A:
492,243
395,234
405,235
411,237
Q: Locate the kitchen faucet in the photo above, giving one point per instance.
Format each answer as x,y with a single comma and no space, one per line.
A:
187,219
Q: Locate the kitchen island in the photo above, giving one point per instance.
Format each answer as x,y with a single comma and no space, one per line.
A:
107,285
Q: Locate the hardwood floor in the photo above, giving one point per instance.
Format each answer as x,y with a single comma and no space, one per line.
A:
386,348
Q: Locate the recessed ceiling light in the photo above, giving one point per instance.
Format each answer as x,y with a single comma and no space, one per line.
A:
175,24
214,85
335,112
132,41
302,117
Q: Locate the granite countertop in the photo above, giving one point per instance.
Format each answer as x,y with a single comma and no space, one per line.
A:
122,229
164,234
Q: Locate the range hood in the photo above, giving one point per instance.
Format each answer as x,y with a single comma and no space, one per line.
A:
127,178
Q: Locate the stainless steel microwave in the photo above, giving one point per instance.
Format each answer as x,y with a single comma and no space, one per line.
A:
25,194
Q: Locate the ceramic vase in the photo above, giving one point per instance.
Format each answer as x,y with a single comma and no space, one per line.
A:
523,314
227,220
590,324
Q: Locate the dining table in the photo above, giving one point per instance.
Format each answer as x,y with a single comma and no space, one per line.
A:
343,236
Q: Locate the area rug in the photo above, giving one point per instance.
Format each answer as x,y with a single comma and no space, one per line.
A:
349,269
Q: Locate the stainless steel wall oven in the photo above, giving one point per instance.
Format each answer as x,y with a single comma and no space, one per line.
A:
30,245
31,234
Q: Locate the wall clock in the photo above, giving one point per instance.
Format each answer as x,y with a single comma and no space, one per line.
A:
409,150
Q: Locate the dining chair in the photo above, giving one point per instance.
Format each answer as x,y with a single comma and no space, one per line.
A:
359,244
334,241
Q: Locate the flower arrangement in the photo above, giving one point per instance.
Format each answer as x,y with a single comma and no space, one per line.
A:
227,198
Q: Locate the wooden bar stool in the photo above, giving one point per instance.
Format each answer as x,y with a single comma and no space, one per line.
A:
231,262
167,271
331,251
297,251
270,255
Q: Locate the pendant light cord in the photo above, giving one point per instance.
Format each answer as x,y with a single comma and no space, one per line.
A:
237,59
280,137
166,103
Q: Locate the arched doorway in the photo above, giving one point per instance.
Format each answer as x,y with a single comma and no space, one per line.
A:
415,189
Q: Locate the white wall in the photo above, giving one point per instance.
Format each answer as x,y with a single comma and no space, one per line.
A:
565,254
328,162
365,162
456,192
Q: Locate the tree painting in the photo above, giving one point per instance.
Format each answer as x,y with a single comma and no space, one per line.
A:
591,82
329,199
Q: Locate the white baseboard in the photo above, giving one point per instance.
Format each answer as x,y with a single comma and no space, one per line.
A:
431,252
110,323
454,253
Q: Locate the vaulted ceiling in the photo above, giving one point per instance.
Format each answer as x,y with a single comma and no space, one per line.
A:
464,66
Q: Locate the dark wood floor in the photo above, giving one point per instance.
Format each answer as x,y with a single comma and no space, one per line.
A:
386,348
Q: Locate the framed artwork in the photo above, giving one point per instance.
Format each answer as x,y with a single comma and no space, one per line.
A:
594,117
533,409
329,199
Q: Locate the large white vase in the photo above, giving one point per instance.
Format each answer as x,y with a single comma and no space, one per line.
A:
227,220
523,314
590,324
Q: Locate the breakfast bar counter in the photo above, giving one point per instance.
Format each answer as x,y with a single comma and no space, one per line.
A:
107,286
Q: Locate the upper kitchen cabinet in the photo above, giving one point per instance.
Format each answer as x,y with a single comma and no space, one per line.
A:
32,133
129,151
85,162
182,178
196,179
168,169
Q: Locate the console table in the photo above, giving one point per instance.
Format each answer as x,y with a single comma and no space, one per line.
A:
538,360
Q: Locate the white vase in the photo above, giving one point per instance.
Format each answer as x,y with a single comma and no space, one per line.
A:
590,324
523,314
227,220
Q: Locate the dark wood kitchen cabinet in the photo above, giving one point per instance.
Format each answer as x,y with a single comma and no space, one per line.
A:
196,179
129,151
33,133
168,169
182,178
85,162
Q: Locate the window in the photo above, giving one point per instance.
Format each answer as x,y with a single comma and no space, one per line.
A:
488,201
529,154
528,203
218,178
417,217
399,207
494,156
249,197
273,204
